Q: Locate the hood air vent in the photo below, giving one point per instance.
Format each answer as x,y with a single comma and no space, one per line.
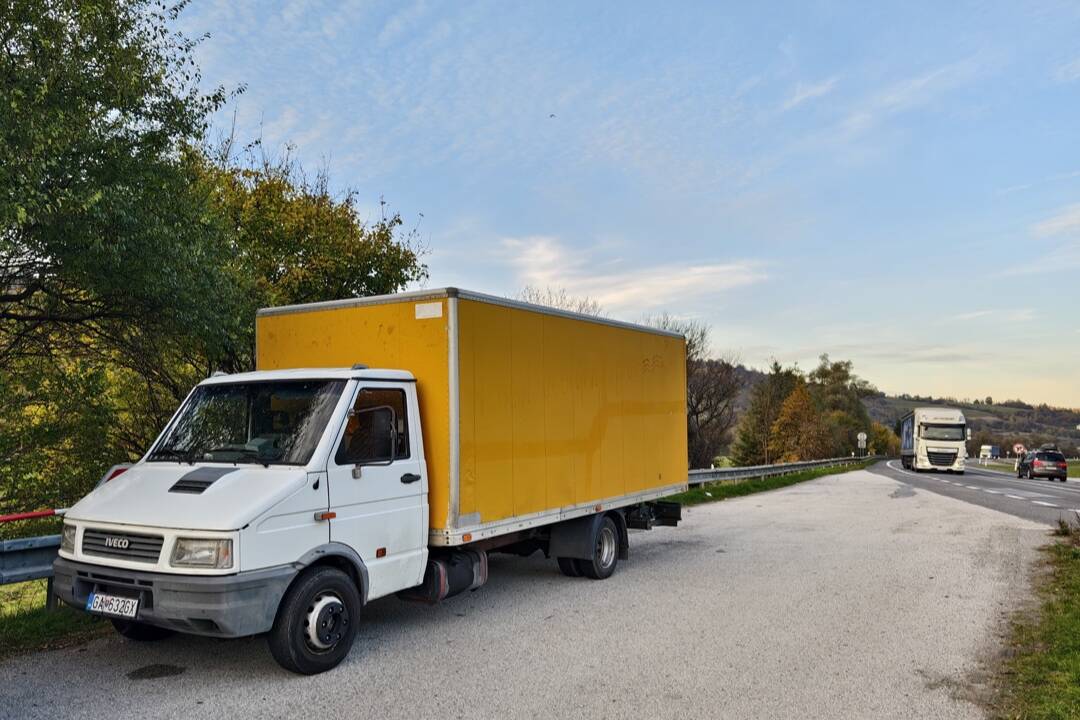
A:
196,481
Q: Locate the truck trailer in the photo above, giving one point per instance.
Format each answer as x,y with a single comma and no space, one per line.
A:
383,445
934,438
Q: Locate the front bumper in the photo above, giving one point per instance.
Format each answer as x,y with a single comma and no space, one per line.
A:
924,463
215,605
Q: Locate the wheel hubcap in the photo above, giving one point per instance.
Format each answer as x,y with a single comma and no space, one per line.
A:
605,547
326,622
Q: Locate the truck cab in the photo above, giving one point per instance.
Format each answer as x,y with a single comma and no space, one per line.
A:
934,438
258,478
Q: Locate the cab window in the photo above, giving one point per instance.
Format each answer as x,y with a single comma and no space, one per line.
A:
377,429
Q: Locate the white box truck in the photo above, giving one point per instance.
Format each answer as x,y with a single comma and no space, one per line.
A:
383,445
934,438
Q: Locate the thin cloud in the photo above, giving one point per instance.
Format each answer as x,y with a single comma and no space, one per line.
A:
909,94
1017,315
802,93
975,314
1057,177
1065,222
542,261
1069,72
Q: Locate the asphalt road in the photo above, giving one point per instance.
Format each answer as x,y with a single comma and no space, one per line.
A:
1043,501
851,596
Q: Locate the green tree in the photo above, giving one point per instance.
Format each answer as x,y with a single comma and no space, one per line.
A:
102,233
752,442
291,240
838,393
798,433
883,441
131,261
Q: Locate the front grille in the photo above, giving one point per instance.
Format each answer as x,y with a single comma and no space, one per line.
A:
139,548
945,459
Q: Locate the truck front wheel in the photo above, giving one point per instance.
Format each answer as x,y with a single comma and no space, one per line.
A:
605,552
316,623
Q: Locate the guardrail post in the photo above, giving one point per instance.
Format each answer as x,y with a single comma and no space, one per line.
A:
51,601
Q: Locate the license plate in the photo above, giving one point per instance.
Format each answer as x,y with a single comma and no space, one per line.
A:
124,607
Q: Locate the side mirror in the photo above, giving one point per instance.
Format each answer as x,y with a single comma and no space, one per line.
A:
969,433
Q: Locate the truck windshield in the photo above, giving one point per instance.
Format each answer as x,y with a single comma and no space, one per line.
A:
270,423
943,432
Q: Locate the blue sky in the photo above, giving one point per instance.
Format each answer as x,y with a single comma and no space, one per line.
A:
894,184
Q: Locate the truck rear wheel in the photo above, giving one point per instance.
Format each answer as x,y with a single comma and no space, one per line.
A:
141,632
569,567
605,552
316,622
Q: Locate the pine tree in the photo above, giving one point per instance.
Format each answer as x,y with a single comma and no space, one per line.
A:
752,445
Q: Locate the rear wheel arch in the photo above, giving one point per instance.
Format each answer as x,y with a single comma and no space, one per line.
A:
624,534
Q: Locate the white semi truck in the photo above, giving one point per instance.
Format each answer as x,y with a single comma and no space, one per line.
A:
934,438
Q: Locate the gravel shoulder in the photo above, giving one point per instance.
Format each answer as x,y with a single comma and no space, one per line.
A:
850,596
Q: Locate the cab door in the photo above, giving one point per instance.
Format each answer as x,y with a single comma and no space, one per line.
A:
378,487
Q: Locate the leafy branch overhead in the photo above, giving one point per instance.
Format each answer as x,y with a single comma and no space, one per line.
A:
132,256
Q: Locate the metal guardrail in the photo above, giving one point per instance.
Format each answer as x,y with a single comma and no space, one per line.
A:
29,559
700,477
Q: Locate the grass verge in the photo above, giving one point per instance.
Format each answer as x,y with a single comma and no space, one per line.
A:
725,489
26,625
1041,681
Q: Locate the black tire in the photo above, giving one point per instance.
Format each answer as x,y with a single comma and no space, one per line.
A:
569,567
605,551
322,599
141,632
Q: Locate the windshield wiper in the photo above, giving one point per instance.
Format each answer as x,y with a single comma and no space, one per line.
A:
243,453
254,455
162,453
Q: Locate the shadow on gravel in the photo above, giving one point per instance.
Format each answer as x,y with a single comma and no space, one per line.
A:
153,672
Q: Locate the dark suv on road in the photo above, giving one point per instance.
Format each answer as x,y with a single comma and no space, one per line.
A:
1043,464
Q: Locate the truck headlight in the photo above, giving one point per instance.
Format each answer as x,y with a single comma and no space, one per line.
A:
67,539
199,552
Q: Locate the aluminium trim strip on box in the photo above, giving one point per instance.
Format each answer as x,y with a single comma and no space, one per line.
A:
451,293
454,370
450,537
545,310
410,296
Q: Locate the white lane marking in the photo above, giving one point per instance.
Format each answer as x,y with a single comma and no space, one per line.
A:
1021,481
992,492
973,487
1044,504
1015,497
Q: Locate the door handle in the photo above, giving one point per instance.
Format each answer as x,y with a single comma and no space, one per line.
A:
409,478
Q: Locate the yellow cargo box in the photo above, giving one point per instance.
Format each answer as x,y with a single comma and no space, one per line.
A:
530,415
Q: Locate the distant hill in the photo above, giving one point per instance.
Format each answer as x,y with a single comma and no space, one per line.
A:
1007,422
